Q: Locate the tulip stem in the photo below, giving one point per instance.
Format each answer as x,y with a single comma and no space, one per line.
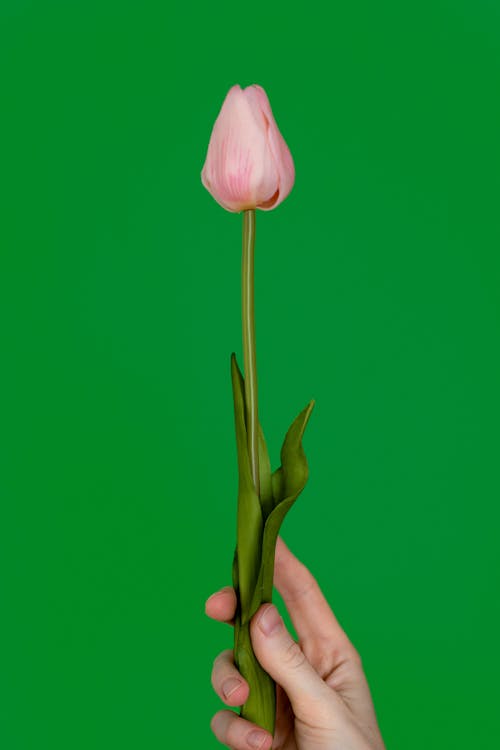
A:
249,353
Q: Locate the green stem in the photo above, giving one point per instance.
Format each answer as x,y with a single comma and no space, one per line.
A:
249,353
260,708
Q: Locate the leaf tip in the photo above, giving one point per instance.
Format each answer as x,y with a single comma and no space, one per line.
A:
234,365
306,413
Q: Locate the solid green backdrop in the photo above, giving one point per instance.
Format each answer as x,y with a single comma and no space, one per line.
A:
378,294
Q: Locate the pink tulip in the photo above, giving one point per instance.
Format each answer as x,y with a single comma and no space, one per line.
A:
248,163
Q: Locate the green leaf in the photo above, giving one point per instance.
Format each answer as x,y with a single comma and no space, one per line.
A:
265,479
236,577
260,706
249,519
265,484
288,481
293,471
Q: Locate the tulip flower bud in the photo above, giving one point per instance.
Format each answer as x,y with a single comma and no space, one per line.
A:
248,163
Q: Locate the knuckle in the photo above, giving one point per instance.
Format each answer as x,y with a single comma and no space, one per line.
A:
231,734
220,723
223,657
293,656
216,724
345,651
355,657
223,667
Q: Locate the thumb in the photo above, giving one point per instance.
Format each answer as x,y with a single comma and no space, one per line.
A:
284,660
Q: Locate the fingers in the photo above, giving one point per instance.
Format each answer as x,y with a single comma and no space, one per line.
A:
319,632
285,661
310,612
227,681
238,733
222,605
228,727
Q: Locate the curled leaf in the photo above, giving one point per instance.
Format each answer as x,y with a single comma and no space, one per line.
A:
288,481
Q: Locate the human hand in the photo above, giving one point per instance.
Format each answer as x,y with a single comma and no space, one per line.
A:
323,701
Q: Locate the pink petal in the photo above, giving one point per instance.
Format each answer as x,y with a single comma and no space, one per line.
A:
279,150
239,169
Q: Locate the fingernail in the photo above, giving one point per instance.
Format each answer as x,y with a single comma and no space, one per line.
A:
256,739
270,620
230,686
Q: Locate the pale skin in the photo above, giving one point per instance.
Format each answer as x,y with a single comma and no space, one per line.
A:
323,701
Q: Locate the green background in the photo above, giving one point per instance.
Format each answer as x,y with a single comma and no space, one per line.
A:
378,294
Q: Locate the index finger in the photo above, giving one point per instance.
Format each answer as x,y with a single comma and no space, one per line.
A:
311,614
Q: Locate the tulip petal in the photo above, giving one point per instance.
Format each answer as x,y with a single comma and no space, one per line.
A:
280,152
239,170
